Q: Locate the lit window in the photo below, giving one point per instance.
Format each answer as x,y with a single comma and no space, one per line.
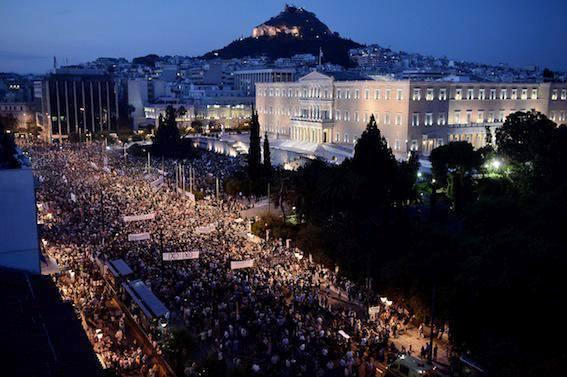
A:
457,117
347,94
441,119
356,94
346,138
482,94
414,145
470,94
469,116
501,116
564,94
366,93
514,95
399,95
524,93
416,94
339,94
492,93
458,94
552,117
503,94
554,94
338,115
442,94
490,116
387,118
429,94
377,94
534,93
388,93
428,119
480,117
398,119
396,145
415,119
356,117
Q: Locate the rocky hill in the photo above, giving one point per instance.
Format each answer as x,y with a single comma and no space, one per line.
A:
293,31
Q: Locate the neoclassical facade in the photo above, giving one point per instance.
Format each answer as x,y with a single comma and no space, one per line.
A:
412,115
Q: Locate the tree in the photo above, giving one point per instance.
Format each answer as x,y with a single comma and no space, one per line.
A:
374,162
524,136
254,154
267,159
405,180
167,136
452,165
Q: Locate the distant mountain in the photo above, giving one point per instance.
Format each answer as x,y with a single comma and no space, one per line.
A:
293,31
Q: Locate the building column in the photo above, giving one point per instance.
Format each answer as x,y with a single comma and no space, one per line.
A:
100,124
67,109
58,110
92,108
75,106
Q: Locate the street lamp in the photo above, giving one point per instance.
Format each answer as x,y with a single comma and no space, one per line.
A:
496,164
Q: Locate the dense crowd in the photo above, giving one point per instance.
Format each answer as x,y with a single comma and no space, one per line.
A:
285,316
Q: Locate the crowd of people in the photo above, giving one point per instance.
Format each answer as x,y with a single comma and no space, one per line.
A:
284,316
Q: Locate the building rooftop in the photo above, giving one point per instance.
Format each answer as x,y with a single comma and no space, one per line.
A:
19,243
41,335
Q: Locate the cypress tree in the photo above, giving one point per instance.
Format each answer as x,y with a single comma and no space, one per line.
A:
254,154
267,159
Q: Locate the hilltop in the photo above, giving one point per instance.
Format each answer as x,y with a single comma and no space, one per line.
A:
293,31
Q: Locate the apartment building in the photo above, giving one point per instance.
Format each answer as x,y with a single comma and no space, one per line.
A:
246,80
79,101
412,115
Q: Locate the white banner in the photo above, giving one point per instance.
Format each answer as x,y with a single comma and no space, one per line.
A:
235,265
138,236
344,334
157,182
73,198
183,255
373,310
157,188
385,301
205,229
148,216
253,238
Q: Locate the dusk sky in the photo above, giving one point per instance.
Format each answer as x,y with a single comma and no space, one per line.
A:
518,32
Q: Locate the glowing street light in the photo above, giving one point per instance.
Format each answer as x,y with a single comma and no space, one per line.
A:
495,164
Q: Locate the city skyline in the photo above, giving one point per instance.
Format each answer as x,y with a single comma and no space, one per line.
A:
518,38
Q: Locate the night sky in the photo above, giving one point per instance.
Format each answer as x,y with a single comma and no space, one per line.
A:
518,32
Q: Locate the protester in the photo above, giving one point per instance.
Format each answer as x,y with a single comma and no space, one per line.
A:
285,316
